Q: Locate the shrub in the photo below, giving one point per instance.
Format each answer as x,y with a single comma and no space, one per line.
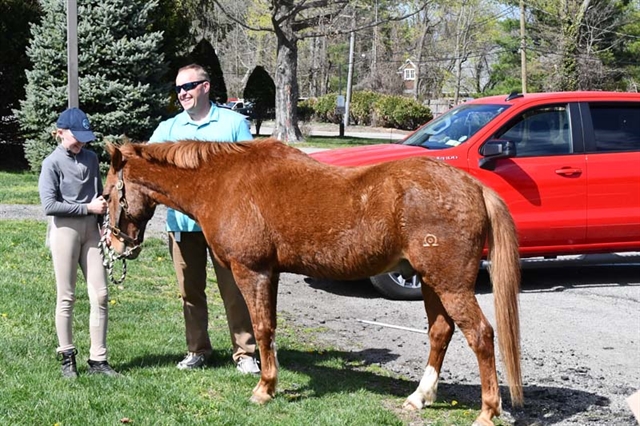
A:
400,112
325,109
306,109
361,107
368,108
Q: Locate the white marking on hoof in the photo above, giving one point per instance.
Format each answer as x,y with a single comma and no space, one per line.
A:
426,392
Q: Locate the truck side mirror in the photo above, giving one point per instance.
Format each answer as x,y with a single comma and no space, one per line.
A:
495,149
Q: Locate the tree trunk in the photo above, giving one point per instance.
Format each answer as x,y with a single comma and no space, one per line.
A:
286,124
571,32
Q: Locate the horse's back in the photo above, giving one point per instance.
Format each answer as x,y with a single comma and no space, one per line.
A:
369,217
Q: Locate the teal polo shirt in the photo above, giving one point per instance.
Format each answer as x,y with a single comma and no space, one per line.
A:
221,125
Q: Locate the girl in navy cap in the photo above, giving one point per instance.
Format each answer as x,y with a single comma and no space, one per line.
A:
71,194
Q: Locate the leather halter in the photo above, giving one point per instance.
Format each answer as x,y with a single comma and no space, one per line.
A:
132,243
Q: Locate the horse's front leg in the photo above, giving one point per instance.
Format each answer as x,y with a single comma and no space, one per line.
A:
260,291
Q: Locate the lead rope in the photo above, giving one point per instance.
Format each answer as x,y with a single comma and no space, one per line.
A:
109,256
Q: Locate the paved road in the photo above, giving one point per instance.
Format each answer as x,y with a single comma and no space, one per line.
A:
580,339
351,131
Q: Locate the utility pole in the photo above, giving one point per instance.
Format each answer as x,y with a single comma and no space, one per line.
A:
523,49
352,42
72,52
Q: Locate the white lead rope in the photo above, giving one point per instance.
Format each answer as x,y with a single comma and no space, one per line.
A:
109,256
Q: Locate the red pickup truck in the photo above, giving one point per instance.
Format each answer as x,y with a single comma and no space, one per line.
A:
566,163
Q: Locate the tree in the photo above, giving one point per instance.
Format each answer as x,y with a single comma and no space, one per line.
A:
292,21
205,55
261,91
170,19
16,17
120,67
578,43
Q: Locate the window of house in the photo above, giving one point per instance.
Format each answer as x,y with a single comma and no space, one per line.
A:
409,74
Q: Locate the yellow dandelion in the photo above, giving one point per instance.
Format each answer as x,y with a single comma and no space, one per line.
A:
112,301
454,402
5,315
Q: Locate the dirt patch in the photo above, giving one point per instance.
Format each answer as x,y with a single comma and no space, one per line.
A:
580,340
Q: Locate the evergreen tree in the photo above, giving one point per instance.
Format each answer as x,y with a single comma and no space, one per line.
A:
120,69
261,91
16,17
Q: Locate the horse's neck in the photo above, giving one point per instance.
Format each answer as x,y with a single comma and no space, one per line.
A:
178,188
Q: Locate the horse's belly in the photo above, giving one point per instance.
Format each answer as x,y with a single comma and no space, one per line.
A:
351,265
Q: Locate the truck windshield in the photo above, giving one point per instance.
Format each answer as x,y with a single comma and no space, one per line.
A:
455,126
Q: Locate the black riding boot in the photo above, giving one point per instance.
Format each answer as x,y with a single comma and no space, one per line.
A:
69,369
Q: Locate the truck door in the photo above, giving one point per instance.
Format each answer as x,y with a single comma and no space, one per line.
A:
545,184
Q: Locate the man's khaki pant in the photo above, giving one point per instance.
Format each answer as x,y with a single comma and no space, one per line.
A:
189,256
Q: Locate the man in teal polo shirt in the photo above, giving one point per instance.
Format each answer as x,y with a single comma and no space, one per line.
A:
203,120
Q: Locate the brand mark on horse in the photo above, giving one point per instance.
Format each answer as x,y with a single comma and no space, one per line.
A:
430,240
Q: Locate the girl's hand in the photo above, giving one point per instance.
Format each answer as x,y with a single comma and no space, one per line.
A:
97,206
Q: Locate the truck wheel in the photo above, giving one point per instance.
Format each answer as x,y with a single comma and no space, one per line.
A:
394,286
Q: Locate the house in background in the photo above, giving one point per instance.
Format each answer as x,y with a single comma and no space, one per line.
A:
443,103
408,73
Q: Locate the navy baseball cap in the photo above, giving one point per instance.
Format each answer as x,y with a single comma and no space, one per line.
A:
78,122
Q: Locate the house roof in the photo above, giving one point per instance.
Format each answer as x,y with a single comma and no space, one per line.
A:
407,64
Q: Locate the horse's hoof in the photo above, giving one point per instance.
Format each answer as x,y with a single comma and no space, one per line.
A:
410,405
260,399
482,422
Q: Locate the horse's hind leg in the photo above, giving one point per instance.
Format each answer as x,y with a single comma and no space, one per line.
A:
463,307
440,331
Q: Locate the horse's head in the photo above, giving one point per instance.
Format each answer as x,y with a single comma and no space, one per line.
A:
129,206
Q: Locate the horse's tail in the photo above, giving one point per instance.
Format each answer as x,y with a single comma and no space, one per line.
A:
505,276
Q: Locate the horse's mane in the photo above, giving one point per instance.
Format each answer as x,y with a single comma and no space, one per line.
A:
189,154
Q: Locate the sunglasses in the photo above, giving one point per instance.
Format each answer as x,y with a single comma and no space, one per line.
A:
189,86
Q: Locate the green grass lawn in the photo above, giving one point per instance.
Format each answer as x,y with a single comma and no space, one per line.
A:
317,386
18,187
331,142
146,339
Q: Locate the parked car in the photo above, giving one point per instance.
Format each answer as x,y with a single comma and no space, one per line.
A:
567,164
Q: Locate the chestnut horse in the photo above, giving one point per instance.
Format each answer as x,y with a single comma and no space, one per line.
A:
265,208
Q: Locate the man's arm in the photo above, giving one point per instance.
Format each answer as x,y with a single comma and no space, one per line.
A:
243,132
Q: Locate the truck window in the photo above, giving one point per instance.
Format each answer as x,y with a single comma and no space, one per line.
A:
540,131
616,128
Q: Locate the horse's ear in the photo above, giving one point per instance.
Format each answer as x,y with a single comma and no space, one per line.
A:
116,156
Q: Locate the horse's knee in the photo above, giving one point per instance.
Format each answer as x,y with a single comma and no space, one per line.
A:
440,333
